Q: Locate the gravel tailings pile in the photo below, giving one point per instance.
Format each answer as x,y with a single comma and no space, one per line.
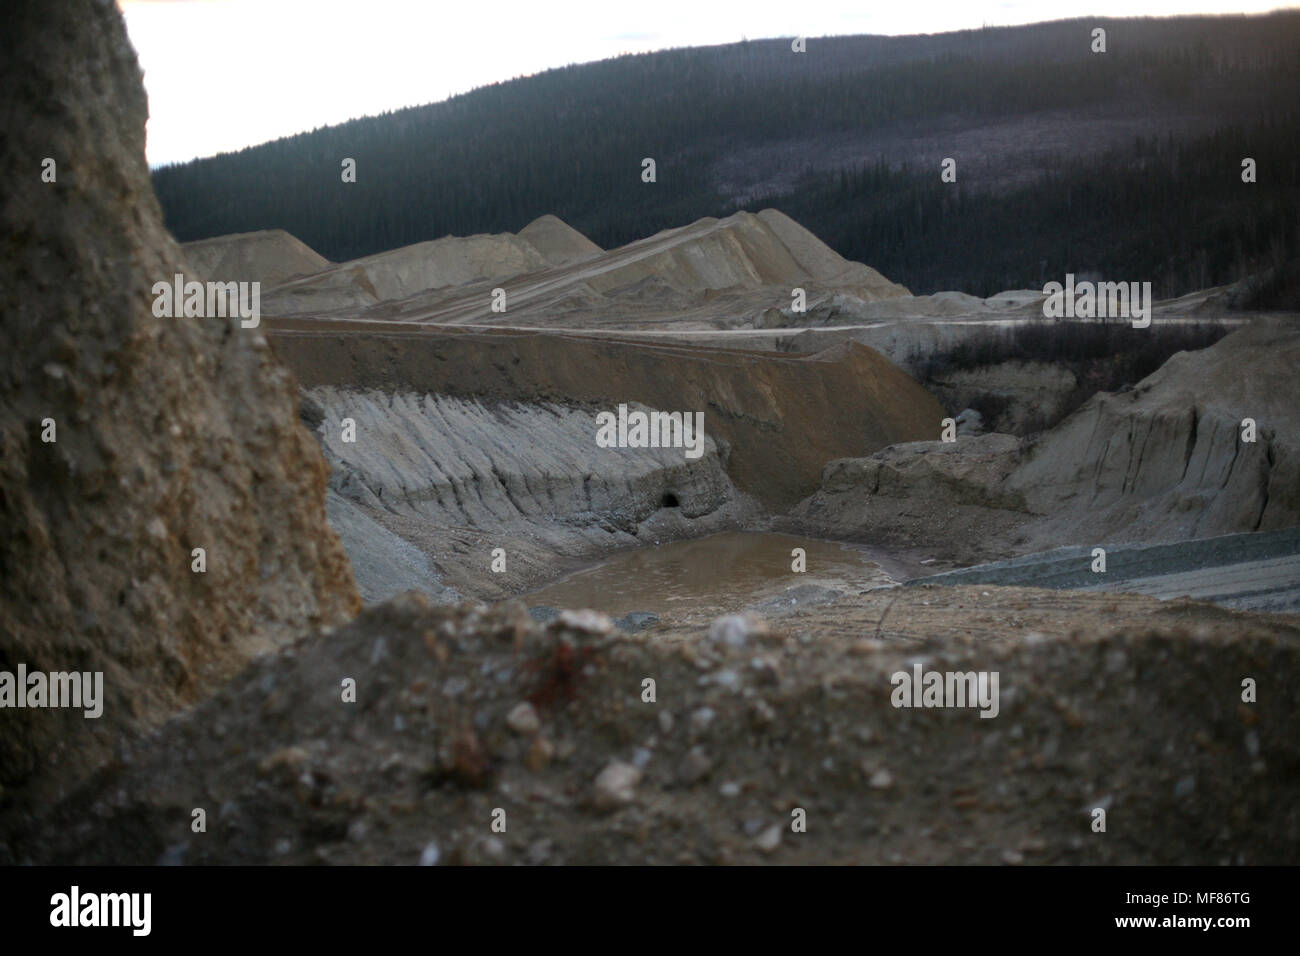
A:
469,442
713,270
270,257
1163,461
558,242
426,267
1166,460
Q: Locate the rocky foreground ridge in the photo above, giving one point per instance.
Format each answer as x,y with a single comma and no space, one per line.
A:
167,435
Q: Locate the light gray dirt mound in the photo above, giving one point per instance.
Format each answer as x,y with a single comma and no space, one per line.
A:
551,272
383,563
347,287
946,498
744,250
558,242
171,434
824,264
399,273
270,257
783,417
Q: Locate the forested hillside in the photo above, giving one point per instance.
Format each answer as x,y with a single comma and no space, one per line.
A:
1126,163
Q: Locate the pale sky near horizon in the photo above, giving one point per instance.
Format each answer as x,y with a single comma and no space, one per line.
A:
225,74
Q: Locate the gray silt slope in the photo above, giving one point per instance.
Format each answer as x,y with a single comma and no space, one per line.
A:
433,484
1167,460
383,563
1259,572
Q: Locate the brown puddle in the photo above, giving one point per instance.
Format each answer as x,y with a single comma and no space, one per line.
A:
717,574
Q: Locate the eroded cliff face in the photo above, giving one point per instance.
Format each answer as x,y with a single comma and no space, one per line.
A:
169,435
1171,459
1168,460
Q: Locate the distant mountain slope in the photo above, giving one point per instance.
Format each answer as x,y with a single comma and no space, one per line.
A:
1067,160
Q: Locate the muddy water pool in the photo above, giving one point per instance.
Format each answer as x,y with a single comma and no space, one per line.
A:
719,573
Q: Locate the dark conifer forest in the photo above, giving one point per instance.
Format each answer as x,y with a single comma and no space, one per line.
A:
1125,163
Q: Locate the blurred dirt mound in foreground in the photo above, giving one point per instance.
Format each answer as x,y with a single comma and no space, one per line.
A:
463,712
171,434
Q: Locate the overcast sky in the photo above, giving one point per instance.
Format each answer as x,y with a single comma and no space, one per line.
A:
224,74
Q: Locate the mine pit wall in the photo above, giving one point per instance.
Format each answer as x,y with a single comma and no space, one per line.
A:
1166,461
1203,480
433,484
783,417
